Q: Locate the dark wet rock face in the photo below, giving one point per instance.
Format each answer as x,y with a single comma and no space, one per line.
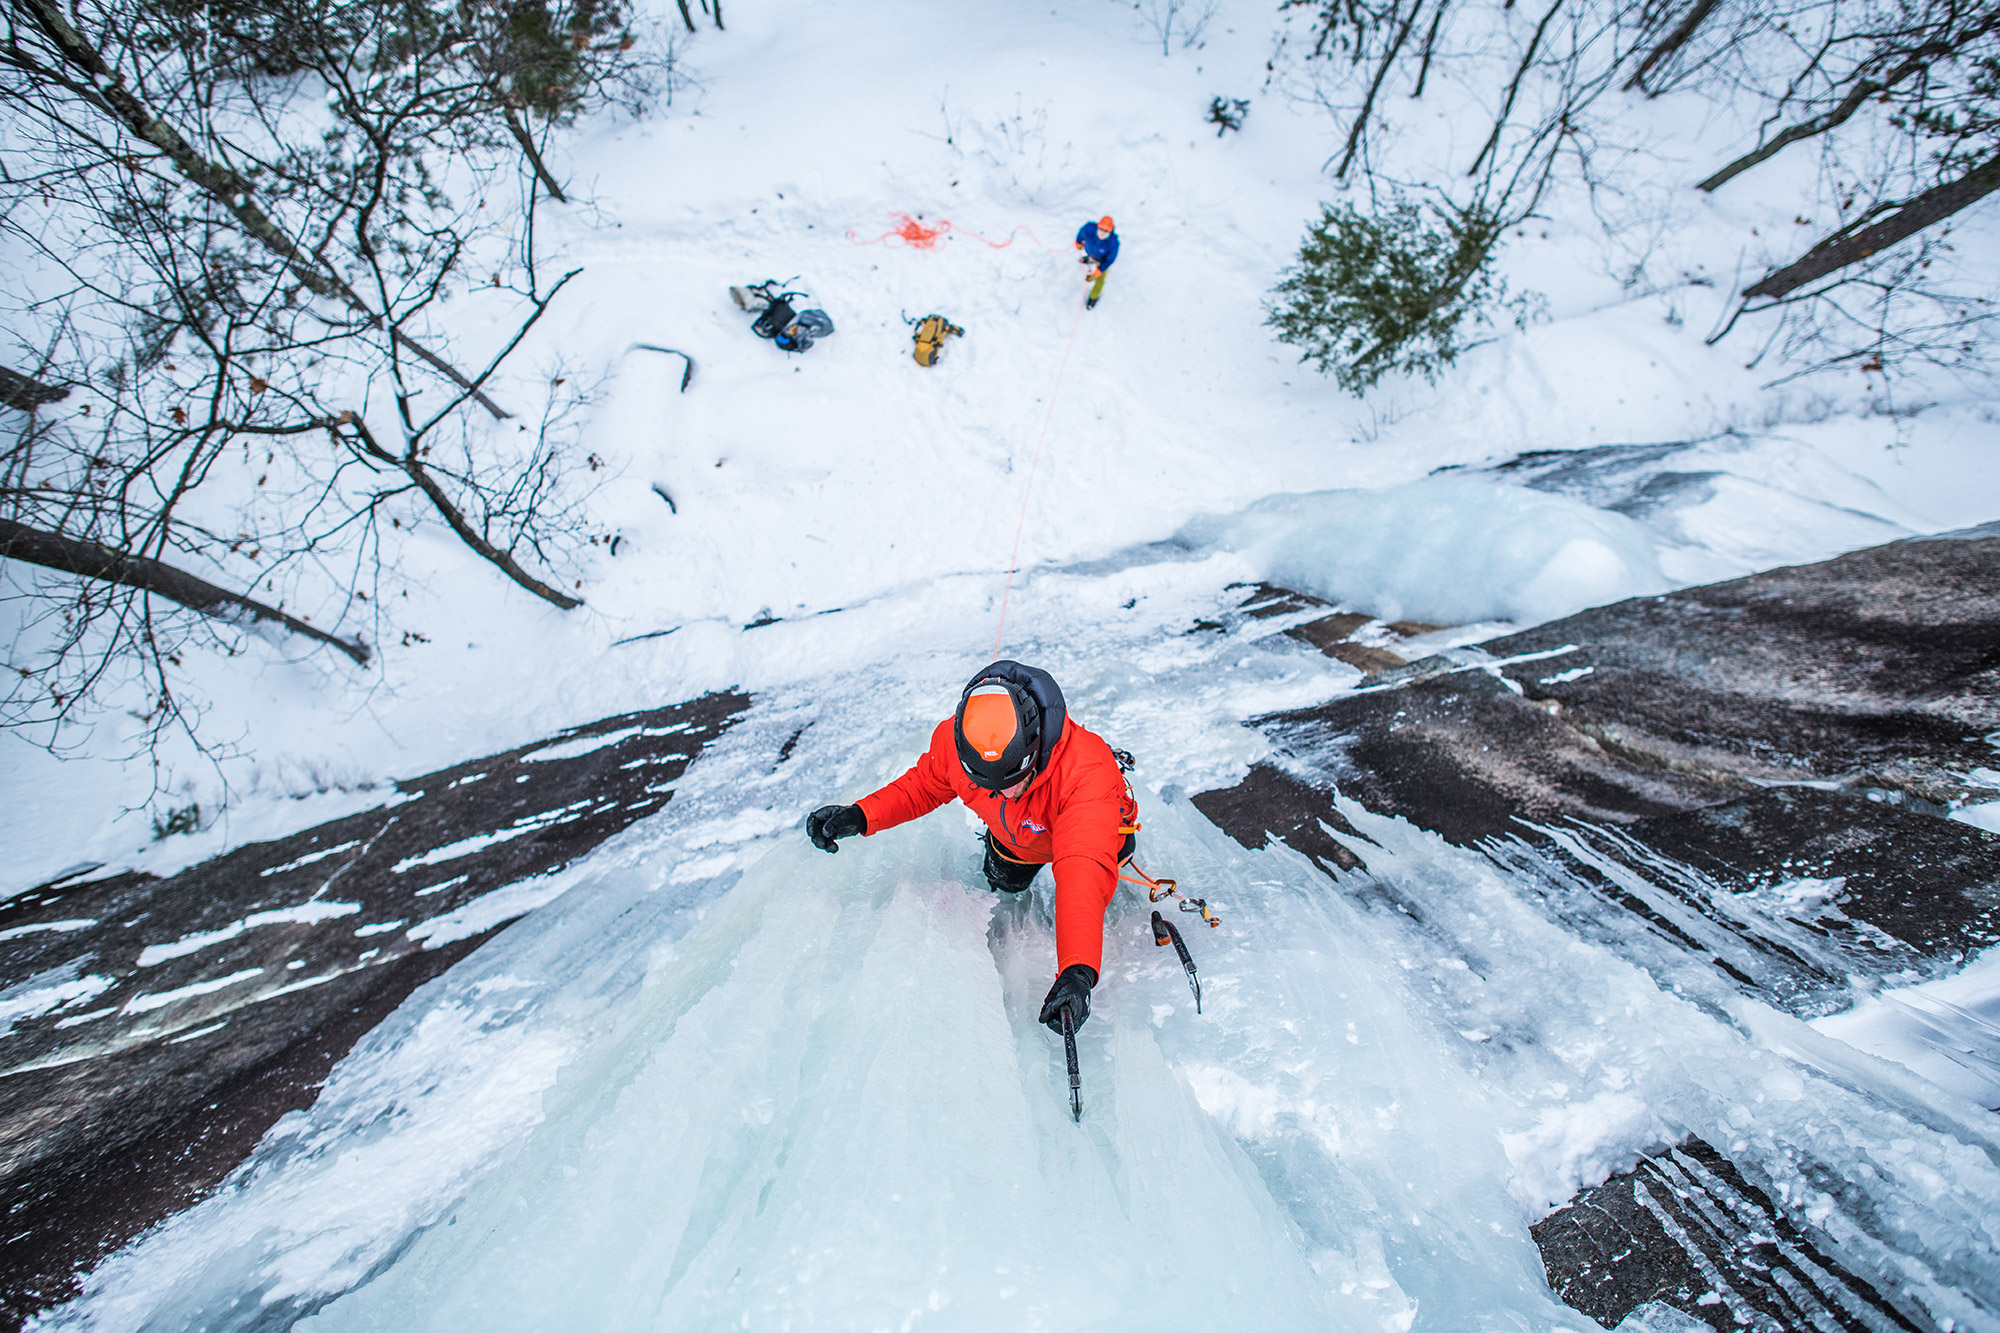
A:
187,1014
1688,722
1360,641
1272,804
1464,756
1931,884
1880,668
1750,774
1684,1228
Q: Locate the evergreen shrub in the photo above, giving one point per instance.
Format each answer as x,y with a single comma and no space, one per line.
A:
1388,291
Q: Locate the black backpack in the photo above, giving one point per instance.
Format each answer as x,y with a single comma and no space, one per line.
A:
775,317
791,329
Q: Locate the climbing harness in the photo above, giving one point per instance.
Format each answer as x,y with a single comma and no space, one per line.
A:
1165,933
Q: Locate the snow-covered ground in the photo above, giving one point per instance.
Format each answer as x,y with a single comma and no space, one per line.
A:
806,484
728,1081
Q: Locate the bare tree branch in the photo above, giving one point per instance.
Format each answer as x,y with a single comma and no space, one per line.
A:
219,182
1838,251
412,466
1368,103
534,156
1514,88
1832,118
1671,43
52,550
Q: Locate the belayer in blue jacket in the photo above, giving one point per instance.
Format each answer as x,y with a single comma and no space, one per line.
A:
1099,243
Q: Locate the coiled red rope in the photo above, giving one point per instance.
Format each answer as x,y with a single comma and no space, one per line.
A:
920,235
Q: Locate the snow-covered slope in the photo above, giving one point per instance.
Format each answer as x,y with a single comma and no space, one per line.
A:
804,484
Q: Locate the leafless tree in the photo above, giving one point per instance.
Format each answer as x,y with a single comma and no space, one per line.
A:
1902,98
227,393
1901,101
1894,55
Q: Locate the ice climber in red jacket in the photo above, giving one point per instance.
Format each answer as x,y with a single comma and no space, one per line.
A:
1051,793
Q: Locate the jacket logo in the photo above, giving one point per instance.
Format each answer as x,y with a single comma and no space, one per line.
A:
1030,826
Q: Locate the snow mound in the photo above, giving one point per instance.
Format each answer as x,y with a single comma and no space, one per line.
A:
1446,550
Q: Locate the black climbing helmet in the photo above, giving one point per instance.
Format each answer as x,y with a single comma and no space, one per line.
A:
998,728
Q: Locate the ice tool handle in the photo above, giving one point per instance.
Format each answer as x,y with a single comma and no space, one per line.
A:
1075,1079
1164,933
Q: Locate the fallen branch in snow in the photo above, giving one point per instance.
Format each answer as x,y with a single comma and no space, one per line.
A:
687,375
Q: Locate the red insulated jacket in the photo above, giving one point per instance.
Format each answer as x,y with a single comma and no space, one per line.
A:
1073,815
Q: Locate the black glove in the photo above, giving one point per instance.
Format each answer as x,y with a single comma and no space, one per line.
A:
1071,992
834,821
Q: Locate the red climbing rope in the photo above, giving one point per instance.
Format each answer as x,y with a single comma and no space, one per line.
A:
1014,559
919,235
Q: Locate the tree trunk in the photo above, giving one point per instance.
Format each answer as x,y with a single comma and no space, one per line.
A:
24,394
1673,42
218,182
527,142
1838,251
52,550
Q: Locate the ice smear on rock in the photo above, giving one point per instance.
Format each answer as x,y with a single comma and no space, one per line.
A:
1449,550
835,1114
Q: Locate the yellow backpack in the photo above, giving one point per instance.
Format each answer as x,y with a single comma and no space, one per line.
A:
932,330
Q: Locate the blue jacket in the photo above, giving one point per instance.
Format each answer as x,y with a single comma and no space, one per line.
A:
1103,251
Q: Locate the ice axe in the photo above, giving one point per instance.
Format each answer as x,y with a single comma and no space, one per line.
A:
1075,1080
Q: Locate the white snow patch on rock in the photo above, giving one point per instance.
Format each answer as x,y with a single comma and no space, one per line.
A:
1573,1146
307,914
37,927
46,992
141,1004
